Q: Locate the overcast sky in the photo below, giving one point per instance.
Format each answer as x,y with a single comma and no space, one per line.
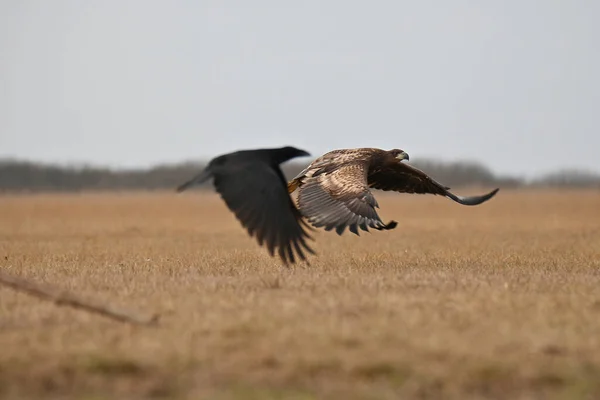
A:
512,83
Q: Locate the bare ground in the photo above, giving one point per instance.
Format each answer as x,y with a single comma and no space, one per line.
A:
496,301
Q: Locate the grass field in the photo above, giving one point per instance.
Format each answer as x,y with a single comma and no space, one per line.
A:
496,301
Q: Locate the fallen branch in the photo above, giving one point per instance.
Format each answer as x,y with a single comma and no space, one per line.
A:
61,297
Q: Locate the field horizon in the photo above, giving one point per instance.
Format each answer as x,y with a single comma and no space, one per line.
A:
500,300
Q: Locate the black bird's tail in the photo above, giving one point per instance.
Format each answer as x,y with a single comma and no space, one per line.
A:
200,178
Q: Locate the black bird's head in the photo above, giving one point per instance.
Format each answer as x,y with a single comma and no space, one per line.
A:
399,154
289,152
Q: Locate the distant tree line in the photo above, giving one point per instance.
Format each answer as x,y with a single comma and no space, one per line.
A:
24,176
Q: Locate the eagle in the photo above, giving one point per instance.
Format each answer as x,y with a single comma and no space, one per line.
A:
335,189
253,187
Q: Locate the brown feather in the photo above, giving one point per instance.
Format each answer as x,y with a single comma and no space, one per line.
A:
334,192
403,178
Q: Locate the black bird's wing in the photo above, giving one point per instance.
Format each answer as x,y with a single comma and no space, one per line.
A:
257,194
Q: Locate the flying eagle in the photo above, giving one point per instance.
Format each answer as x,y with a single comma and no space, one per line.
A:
253,187
334,190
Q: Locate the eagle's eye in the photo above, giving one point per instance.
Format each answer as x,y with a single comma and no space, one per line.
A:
401,155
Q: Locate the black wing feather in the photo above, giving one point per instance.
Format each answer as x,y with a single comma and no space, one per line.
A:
257,194
403,178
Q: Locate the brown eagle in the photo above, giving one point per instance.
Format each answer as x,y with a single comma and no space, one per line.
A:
334,190
253,187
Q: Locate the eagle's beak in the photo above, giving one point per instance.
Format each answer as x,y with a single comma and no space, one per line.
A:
403,156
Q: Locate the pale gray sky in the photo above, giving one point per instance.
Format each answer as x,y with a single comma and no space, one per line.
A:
512,83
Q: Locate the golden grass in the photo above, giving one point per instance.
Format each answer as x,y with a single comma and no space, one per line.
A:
496,301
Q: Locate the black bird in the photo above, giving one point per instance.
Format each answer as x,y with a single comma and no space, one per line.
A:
253,187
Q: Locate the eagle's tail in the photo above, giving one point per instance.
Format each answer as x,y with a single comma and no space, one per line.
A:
293,185
389,226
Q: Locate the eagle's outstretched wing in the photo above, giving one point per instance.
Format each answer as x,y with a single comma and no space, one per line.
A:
340,198
404,178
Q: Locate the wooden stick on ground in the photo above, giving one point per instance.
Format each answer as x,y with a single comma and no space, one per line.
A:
61,297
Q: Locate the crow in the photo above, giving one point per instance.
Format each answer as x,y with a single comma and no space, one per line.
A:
253,187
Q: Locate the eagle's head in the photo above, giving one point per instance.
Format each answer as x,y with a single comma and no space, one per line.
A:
399,154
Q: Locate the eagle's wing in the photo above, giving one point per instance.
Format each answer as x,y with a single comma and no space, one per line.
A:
404,178
338,197
256,193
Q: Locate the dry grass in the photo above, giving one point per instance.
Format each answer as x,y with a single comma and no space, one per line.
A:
496,301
